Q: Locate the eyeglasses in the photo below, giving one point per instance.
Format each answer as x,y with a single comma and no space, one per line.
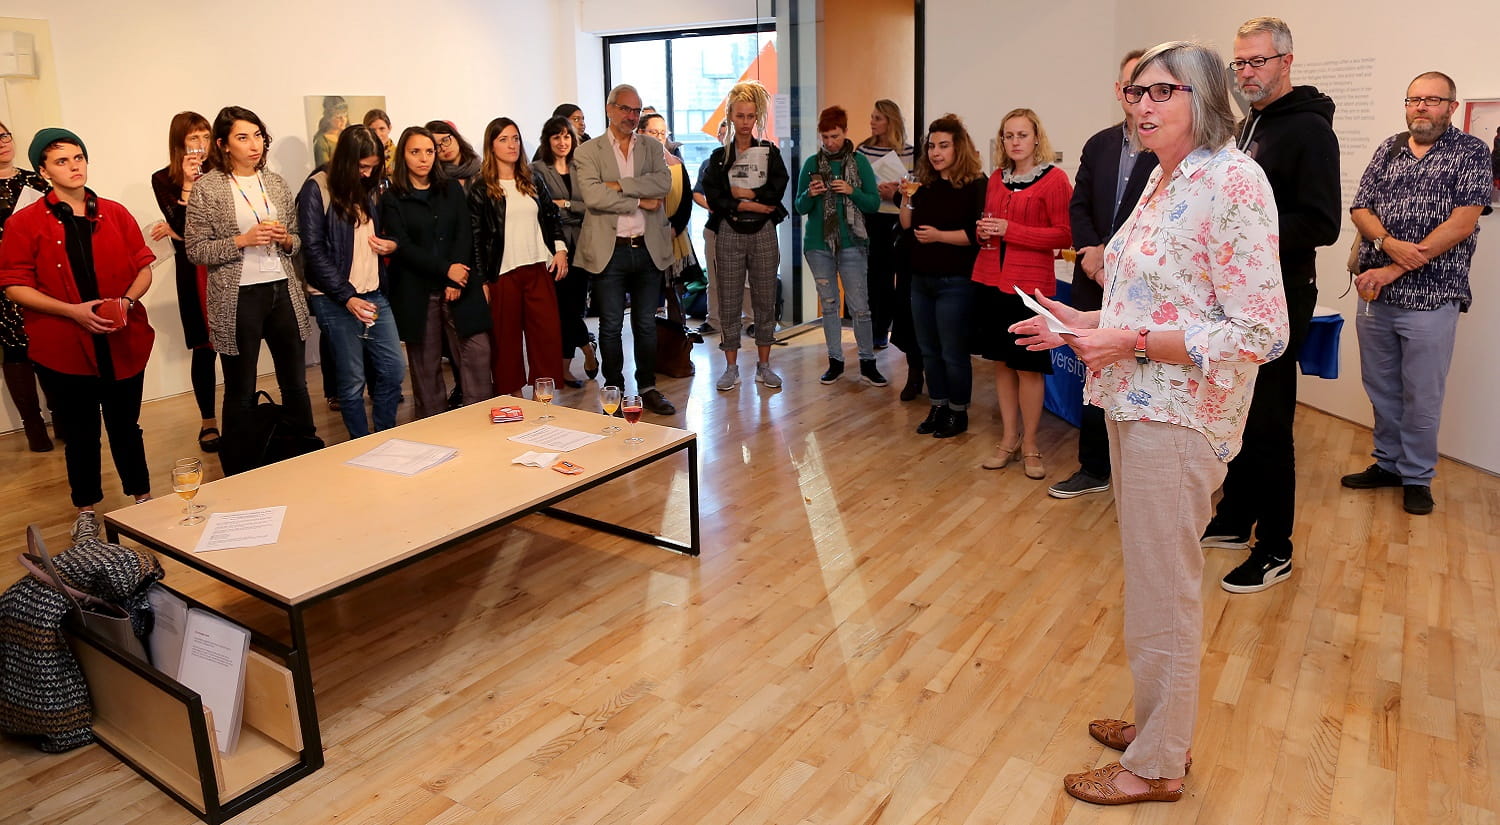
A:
445,141
6,137
628,109
1253,62
1430,101
1159,92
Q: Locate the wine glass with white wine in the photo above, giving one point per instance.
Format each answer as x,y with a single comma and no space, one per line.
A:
187,475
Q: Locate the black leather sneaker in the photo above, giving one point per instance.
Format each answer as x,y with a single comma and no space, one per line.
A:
1370,478
934,419
1257,573
1416,499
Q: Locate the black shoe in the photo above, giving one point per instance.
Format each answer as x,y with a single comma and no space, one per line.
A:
1370,478
455,398
591,359
706,328
1078,484
913,386
750,329
654,401
869,374
835,369
935,417
954,423
1416,499
1256,574
1224,539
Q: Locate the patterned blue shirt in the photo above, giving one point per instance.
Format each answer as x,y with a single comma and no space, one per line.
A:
1411,196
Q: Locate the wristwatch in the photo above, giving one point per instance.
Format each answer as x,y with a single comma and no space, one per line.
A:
1140,346
1379,242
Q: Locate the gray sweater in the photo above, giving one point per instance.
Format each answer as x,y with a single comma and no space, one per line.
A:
211,228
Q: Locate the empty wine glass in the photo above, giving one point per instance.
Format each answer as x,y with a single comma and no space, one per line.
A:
632,407
609,399
187,475
545,389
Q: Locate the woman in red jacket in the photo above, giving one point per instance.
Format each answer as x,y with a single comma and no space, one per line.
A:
77,265
1025,221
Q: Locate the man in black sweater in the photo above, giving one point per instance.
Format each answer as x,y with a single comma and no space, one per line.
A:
1289,132
1111,176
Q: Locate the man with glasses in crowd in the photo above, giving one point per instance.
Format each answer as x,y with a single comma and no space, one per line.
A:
1288,130
626,240
1417,211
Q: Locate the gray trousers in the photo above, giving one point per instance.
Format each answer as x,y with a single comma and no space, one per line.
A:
471,361
758,255
1404,356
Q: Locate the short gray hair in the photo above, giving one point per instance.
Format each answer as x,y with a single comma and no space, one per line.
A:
614,94
1196,65
1281,33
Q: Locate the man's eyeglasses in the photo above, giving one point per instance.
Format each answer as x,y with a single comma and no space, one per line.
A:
1434,102
1159,92
1253,62
6,137
635,110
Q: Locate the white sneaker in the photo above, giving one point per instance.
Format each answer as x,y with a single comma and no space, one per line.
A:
765,375
729,378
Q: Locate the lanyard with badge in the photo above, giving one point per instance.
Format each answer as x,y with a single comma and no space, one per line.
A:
269,262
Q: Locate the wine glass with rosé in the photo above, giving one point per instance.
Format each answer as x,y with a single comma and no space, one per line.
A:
632,407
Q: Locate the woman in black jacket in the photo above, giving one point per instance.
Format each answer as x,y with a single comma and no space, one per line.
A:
432,294
553,166
344,262
745,183
520,252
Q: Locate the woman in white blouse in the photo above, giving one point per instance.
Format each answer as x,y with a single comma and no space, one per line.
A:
1193,304
242,226
519,251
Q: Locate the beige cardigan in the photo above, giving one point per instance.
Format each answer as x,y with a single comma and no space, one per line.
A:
211,227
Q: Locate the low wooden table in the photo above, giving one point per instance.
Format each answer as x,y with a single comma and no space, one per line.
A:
347,525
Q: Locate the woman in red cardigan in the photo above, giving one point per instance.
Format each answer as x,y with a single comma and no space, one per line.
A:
1025,221
77,265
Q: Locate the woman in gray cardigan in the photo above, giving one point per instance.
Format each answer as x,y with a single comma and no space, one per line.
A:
553,165
241,224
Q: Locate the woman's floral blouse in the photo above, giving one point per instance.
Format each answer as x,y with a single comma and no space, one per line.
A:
1201,257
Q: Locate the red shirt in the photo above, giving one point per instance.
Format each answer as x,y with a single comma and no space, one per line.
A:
1038,225
33,253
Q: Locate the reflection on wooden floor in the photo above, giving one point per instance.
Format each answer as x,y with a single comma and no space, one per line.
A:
877,632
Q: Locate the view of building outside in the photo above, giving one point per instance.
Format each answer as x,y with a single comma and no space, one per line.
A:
686,79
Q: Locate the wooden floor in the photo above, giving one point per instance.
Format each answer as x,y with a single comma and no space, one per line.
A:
877,632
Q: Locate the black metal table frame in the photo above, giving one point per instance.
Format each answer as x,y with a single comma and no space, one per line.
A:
297,656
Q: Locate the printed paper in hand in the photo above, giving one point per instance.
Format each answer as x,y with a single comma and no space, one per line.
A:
556,439
402,457
245,528
888,168
1052,323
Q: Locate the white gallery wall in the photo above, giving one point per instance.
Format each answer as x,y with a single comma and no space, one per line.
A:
1060,59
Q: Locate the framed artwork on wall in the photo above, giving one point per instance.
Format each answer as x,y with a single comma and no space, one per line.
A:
327,115
1482,120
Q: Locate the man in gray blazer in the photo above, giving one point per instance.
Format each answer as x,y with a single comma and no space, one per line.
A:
625,239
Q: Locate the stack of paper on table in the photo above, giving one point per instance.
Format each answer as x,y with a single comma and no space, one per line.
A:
403,457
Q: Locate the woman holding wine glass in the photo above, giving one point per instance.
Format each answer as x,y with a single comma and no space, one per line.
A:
554,165
943,214
519,252
889,279
188,139
1025,220
241,224
344,261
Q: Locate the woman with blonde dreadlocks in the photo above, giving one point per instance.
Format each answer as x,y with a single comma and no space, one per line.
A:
744,184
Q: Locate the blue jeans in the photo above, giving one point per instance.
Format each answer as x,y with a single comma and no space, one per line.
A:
940,314
1403,360
630,270
851,266
387,366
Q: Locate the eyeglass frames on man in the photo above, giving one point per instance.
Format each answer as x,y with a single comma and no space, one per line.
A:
1159,92
1434,102
6,137
1254,62
629,110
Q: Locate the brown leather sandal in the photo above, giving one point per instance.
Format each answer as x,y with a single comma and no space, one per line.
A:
1111,734
1098,786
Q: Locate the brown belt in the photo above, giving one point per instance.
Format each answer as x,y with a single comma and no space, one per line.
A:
631,242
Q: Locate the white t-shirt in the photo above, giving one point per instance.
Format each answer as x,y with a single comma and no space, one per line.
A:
252,204
524,243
